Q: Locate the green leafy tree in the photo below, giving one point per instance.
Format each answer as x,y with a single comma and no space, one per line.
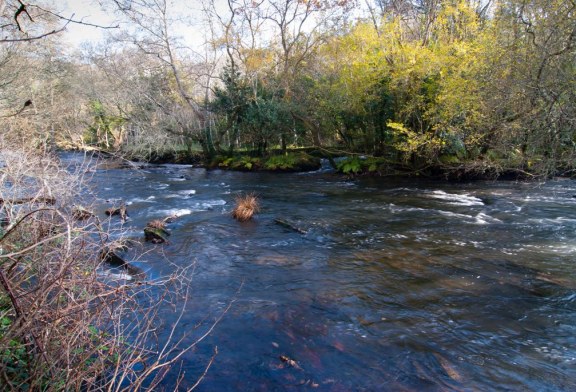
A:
105,130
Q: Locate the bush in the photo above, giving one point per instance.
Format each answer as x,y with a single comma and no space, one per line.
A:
245,162
242,162
284,162
359,165
63,326
350,165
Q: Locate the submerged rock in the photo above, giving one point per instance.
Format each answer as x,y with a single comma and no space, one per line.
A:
111,257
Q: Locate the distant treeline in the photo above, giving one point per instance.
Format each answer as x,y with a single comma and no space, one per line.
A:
417,83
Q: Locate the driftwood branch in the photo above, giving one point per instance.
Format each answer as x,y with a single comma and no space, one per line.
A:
24,200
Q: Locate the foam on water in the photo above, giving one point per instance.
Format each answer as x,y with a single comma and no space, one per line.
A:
149,199
116,276
457,199
187,192
553,221
399,209
177,212
212,203
479,219
484,219
455,215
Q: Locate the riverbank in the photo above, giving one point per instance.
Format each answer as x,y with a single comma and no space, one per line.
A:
345,163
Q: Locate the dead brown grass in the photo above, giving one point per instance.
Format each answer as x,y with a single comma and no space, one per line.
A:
246,206
157,224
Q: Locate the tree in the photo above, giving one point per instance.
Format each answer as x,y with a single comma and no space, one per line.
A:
535,74
269,44
23,21
150,30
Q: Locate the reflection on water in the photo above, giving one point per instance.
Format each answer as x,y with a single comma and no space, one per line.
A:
389,284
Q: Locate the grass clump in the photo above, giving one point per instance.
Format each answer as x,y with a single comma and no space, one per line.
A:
157,224
245,208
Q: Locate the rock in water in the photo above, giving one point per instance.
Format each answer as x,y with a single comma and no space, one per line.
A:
81,213
156,235
120,211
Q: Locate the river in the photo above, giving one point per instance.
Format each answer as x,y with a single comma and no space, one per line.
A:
391,285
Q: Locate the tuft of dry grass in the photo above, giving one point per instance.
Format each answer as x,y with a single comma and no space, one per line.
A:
157,224
246,207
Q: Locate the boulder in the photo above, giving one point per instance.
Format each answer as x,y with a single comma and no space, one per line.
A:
109,256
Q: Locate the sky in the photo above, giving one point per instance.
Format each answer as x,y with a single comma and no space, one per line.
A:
88,11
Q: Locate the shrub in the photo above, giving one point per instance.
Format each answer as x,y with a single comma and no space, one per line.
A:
292,162
350,165
242,162
281,162
245,162
63,326
359,165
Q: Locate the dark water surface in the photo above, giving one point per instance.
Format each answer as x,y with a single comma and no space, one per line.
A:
394,286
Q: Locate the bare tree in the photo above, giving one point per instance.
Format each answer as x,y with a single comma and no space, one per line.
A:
30,21
151,29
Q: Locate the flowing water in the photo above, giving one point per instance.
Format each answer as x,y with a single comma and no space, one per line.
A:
386,285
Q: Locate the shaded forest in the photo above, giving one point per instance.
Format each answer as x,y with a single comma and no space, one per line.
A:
474,85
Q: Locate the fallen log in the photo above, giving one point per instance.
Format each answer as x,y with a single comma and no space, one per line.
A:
290,225
110,257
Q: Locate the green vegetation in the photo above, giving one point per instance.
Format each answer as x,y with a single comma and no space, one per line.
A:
237,162
367,165
454,95
283,162
105,130
292,162
458,88
427,86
